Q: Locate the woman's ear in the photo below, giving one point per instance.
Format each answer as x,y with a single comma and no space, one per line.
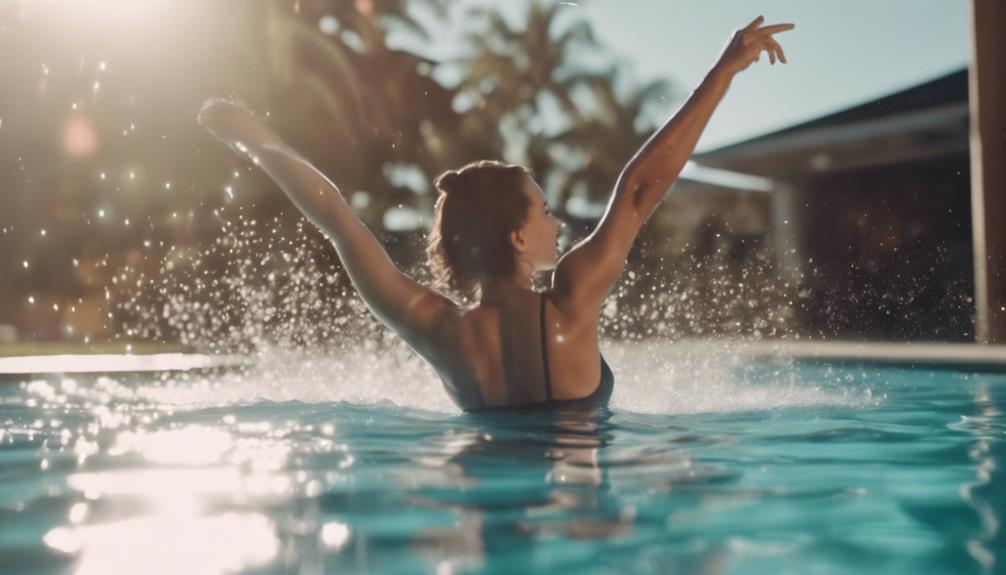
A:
517,241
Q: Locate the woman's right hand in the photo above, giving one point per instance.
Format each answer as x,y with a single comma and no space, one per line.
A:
233,123
747,44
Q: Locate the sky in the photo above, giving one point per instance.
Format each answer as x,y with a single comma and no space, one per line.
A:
841,53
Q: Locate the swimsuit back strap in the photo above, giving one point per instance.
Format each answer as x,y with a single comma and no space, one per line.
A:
544,352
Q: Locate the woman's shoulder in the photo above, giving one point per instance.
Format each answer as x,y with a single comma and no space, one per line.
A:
461,323
571,310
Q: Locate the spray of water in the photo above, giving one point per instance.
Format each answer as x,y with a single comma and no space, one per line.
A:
280,300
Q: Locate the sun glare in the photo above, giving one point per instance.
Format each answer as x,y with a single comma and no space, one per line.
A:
124,15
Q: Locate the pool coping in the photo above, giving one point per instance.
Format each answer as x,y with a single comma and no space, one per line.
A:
957,356
932,355
115,363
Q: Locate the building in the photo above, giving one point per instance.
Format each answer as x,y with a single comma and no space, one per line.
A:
870,213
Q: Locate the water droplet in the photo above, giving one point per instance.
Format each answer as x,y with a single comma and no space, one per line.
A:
328,25
334,534
78,512
102,175
102,66
42,232
167,185
31,299
24,264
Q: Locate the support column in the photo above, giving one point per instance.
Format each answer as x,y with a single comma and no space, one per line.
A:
786,232
987,95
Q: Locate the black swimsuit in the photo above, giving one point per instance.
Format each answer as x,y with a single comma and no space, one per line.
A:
599,398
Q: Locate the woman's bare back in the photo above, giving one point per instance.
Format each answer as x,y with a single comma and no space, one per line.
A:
493,353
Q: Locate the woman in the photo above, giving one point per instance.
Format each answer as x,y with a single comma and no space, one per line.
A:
493,231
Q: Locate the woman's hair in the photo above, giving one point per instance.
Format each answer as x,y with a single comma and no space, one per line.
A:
477,208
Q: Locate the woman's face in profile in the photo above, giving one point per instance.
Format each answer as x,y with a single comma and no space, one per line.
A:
541,230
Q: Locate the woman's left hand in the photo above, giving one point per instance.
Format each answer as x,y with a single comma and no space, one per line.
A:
747,44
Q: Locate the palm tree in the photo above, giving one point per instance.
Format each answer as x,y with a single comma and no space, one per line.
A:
381,104
512,69
604,142
515,69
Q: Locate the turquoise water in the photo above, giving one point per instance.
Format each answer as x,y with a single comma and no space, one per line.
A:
752,468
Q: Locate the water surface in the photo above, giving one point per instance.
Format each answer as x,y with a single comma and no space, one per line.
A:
705,467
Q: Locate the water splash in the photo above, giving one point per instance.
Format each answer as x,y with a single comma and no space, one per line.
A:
666,378
282,301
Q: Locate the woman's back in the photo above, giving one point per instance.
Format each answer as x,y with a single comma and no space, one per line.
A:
493,354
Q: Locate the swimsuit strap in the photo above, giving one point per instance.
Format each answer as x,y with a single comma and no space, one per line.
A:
544,352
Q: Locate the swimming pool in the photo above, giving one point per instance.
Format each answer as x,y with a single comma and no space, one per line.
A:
701,466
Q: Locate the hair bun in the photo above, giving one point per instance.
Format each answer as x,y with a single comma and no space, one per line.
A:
447,181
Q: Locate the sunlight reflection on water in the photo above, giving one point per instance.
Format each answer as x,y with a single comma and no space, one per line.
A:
170,544
196,470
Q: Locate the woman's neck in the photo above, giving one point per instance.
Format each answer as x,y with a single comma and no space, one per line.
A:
502,289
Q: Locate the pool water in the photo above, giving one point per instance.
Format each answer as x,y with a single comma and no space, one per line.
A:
717,467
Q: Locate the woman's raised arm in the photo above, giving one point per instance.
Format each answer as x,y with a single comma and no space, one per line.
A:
409,308
588,272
